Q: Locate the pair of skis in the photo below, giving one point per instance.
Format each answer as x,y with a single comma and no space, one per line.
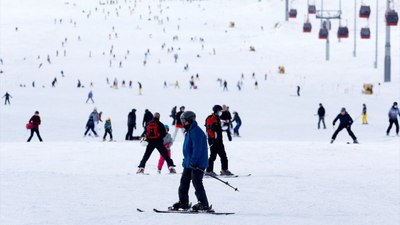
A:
188,212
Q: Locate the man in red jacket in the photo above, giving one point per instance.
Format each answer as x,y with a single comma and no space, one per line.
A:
35,122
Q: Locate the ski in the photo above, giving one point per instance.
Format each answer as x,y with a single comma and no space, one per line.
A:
192,212
231,176
139,210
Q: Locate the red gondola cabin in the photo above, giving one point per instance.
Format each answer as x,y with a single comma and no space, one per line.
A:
343,32
323,33
312,9
365,11
392,18
293,13
365,33
307,27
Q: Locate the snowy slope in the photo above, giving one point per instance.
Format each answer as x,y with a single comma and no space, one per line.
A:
298,177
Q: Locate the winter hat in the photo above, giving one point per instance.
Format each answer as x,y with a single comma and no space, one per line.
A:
37,112
166,126
108,119
343,109
395,103
188,116
217,108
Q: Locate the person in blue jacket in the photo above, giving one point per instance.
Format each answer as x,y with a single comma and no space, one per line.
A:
345,122
195,161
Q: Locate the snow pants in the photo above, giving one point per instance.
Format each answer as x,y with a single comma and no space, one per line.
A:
321,119
217,148
161,160
130,132
391,122
364,119
236,129
196,177
159,145
35,130
348,128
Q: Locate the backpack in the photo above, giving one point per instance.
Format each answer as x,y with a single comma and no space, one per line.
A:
209,122
152,130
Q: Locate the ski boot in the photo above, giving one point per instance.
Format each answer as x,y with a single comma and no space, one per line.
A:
226,173
332,141
200,207
179,206
140,170
211,174
355,142
172,169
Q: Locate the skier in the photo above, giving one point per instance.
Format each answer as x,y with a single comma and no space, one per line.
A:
298,90
90,96
364,115
214,132
167,143
393,112
226,118
155,133
140,88
238,121
195,154
178,125
225,86
7,96
90,126
107,129
131,124
34,123
148,116
173,115
321,115
345,122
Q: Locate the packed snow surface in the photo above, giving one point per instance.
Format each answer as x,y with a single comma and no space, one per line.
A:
298,177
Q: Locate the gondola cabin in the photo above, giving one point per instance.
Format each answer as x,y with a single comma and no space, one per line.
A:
323,33
365,33
312,9
307,27
293,13
343,32
392,18
365,11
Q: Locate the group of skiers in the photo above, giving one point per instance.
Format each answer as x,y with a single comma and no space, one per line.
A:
346,121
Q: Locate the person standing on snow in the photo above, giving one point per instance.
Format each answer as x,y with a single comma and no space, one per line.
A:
321,115
364,115
178,125
226,118
195,153
238,121
214,133
345,122
148,116
155,133
168,141
90,97
7,96
173,115
393,113
108,129
90,126
34,124
131,124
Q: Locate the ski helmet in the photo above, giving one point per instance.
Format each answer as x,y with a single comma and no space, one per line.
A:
217,108
188,116
166,126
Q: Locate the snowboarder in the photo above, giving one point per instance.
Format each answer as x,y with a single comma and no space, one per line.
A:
238,121
393,113
131,124
167,143
195,154
178,125
173,115
90,96
345,122
321,115
107,129
90,126
7,96
364,115
215,141
226,118
34,123
155,133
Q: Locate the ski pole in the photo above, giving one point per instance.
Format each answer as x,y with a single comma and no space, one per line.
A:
225,182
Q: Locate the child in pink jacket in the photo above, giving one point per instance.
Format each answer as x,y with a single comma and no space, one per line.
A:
167,143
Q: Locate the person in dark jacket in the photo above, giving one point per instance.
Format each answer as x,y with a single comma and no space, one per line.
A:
108,129
321,115
345,122
155,138
90,126
214,133
34,123
173,115
364,115
195,161
131,124
226,118
178,125
393,113
148,116
7,96
238,122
